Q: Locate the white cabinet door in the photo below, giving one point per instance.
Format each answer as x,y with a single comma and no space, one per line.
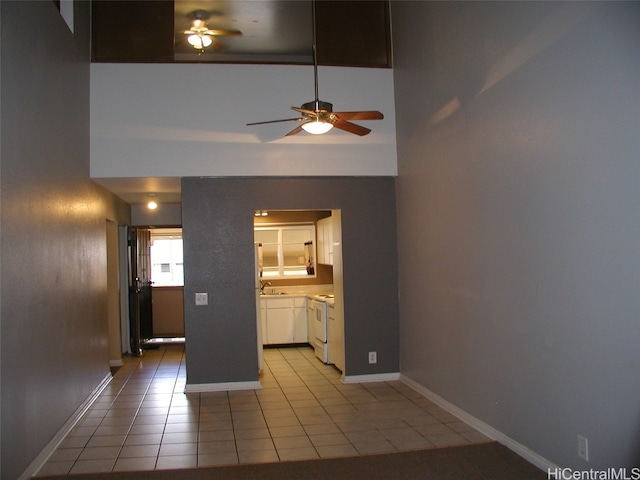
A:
280,325
324,232
320,241
300,319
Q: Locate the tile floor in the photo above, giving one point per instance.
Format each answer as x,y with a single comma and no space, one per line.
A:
144,421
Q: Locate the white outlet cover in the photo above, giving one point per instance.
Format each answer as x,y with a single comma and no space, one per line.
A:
202,299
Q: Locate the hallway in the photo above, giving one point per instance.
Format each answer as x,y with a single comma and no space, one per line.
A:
143,420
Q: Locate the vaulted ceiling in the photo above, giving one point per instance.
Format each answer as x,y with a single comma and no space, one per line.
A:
348,34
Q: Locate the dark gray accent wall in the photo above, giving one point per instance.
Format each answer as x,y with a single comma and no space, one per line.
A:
518,218
53,316
217,223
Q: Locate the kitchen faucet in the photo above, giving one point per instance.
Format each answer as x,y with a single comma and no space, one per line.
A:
262,285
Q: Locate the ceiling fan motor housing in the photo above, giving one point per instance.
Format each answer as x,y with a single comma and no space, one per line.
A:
317,105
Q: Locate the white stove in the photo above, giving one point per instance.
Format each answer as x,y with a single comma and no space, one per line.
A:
320,345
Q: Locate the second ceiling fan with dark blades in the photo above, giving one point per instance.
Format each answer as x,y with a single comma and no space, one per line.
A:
318,117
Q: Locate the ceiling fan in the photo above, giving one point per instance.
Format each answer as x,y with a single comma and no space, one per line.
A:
318,117
200,36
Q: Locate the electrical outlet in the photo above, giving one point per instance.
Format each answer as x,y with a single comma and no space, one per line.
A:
583,447
373,357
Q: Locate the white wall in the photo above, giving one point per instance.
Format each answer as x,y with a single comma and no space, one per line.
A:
190,120
518,218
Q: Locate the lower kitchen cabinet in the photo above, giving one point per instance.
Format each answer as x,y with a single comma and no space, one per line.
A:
285,320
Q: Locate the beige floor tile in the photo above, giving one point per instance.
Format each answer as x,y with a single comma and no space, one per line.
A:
303,411
148,439
181,437
282,421
241,423
177,462
296,454
475,437
448,440
99,453
301,441
138,451
258,456
245,445
251,433
178,449
92,466
332,451
65,454
215,435
147,429
369,448
135,464
226,446
322,440
74,442
55,468
410,443
321,428
107,441
217,459
288,431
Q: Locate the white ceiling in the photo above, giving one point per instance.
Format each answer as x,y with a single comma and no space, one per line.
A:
135,191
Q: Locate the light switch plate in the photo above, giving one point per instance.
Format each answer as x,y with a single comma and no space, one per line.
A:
202,299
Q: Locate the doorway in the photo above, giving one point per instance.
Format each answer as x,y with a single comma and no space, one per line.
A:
299,258
166,280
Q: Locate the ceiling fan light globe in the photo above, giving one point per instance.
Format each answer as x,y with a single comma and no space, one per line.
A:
199,41
317,127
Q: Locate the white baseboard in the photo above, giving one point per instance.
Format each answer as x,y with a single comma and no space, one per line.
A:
116,363
487,430
48,450
376,377
219,387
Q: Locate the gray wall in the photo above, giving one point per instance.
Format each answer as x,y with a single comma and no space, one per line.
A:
53,317
518,218
217,222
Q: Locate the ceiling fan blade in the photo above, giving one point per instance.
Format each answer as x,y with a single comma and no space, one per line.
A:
224,33
366,115
298,129
277,121
351,127
304,111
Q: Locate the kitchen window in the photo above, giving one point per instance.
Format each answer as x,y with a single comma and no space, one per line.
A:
287,251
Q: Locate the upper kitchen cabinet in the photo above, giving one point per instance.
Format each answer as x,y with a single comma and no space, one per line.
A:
349,33
286,250
324,233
